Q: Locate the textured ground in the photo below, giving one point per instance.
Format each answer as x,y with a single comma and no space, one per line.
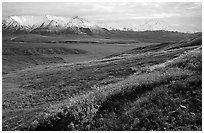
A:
154,87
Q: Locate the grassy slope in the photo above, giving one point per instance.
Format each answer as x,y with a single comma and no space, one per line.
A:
36,38
18,56
130,92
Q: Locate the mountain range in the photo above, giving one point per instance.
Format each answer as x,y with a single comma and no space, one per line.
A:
76,24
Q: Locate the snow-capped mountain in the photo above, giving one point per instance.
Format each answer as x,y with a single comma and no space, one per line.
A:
49,23
154,24
149,25
80,22
75,24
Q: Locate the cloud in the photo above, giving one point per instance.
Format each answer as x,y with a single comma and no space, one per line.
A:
166,15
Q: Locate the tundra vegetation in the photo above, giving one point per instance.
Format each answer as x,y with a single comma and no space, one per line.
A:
137,87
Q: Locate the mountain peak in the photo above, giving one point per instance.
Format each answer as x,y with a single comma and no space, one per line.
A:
48,23
30,23
57,18
79,18
80,22
155,24
76,17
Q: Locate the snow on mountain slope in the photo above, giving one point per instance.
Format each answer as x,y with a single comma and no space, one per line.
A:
48,23
80,22
29,22
54,25
108,27
11,25
149,25
154,24
58,18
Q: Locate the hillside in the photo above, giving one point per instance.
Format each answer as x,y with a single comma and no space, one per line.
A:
153,87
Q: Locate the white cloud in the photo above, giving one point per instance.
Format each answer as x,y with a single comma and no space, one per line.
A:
166,15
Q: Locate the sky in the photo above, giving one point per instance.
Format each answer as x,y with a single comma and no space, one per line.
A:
185,16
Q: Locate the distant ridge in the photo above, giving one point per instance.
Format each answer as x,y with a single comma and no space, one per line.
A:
76,24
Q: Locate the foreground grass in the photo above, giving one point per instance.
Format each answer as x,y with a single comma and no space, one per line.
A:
168,107
165,99
85,106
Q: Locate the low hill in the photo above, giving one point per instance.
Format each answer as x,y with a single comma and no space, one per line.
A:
40,51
